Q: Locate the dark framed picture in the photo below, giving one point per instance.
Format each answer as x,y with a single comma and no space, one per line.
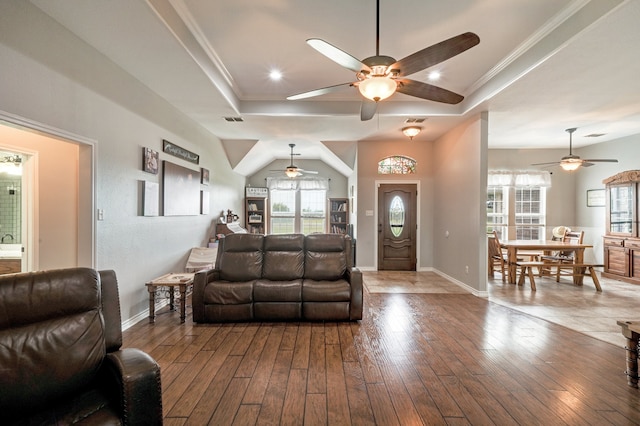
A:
150,161
204,176
595,198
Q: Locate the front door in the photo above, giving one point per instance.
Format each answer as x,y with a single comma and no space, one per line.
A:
397,227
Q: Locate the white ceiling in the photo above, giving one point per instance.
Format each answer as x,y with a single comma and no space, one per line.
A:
541,66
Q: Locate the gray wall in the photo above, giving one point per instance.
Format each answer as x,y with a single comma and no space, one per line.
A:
52,77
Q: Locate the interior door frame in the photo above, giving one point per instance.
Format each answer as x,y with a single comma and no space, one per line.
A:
87,239
377,184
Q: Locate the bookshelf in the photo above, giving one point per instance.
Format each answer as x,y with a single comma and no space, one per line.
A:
255,211
338,216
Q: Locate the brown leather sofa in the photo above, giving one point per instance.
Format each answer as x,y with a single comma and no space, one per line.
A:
279,277
60,356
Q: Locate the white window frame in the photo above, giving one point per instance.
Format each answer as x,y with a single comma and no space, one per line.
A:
297,215
501,220
530,231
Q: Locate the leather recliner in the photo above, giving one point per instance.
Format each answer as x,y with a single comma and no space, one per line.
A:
279,277
61,360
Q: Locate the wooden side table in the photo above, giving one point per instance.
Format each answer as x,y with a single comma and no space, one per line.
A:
167,284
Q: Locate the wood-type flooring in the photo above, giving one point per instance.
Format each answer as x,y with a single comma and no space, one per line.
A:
419,357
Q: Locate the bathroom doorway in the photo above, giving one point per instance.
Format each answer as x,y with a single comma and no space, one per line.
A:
11,212
57,228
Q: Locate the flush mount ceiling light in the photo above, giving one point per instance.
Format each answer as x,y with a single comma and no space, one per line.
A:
411,131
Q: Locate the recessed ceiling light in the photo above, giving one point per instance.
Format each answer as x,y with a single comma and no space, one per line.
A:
434,75
275,75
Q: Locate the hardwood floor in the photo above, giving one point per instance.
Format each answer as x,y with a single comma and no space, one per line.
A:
436,356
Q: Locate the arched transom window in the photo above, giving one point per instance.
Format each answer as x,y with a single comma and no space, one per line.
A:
397,165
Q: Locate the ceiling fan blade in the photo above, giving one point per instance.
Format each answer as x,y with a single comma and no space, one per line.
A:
427,91
602,161
318,92
310,172
368,110
435,54
546,164
338,56
585,164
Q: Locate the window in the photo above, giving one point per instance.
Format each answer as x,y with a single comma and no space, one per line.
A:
530,213
516,204
298,206
497,218
396,165
312,210
283,211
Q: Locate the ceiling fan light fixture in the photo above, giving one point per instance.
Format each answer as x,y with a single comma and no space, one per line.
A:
411,131
291,172
377,88
570,164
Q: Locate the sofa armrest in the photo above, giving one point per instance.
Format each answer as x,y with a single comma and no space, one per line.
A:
137,377
354,277
200,281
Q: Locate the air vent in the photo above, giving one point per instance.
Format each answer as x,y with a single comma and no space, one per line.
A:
414,120
234,119
595,135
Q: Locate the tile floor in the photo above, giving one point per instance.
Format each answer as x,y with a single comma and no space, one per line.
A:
581,309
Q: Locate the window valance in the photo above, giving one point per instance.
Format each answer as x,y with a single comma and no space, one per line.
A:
538,178
295,184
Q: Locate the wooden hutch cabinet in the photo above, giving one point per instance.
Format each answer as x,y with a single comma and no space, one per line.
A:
622,239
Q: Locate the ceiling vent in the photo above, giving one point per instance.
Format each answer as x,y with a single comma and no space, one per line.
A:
234,119
414,120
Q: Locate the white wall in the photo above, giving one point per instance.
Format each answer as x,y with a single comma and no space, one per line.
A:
53,78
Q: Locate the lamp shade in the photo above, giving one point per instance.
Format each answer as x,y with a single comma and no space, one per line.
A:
291,172
411,131
570,164
377,88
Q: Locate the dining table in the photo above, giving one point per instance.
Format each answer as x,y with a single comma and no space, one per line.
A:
546,247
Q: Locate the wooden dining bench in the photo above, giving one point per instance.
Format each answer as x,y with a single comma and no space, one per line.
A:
526,268
579,270
576,270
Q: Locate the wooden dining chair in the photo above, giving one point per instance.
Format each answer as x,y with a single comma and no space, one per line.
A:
497,257
564,256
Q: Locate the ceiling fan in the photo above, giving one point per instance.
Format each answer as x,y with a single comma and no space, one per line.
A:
292,170
379,77
573,162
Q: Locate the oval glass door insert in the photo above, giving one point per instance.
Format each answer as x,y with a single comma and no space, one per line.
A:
396,216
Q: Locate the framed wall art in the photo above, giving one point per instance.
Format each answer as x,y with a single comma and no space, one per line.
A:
150,199
204,176
150,161
204,202
595,198
181,190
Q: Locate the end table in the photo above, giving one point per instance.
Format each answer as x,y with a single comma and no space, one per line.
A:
167,284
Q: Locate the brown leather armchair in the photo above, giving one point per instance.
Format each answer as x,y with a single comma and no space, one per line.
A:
61,360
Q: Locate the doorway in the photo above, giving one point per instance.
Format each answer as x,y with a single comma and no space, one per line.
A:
397,225
57,221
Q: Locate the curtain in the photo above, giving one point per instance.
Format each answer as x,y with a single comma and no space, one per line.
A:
300,183
537,178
